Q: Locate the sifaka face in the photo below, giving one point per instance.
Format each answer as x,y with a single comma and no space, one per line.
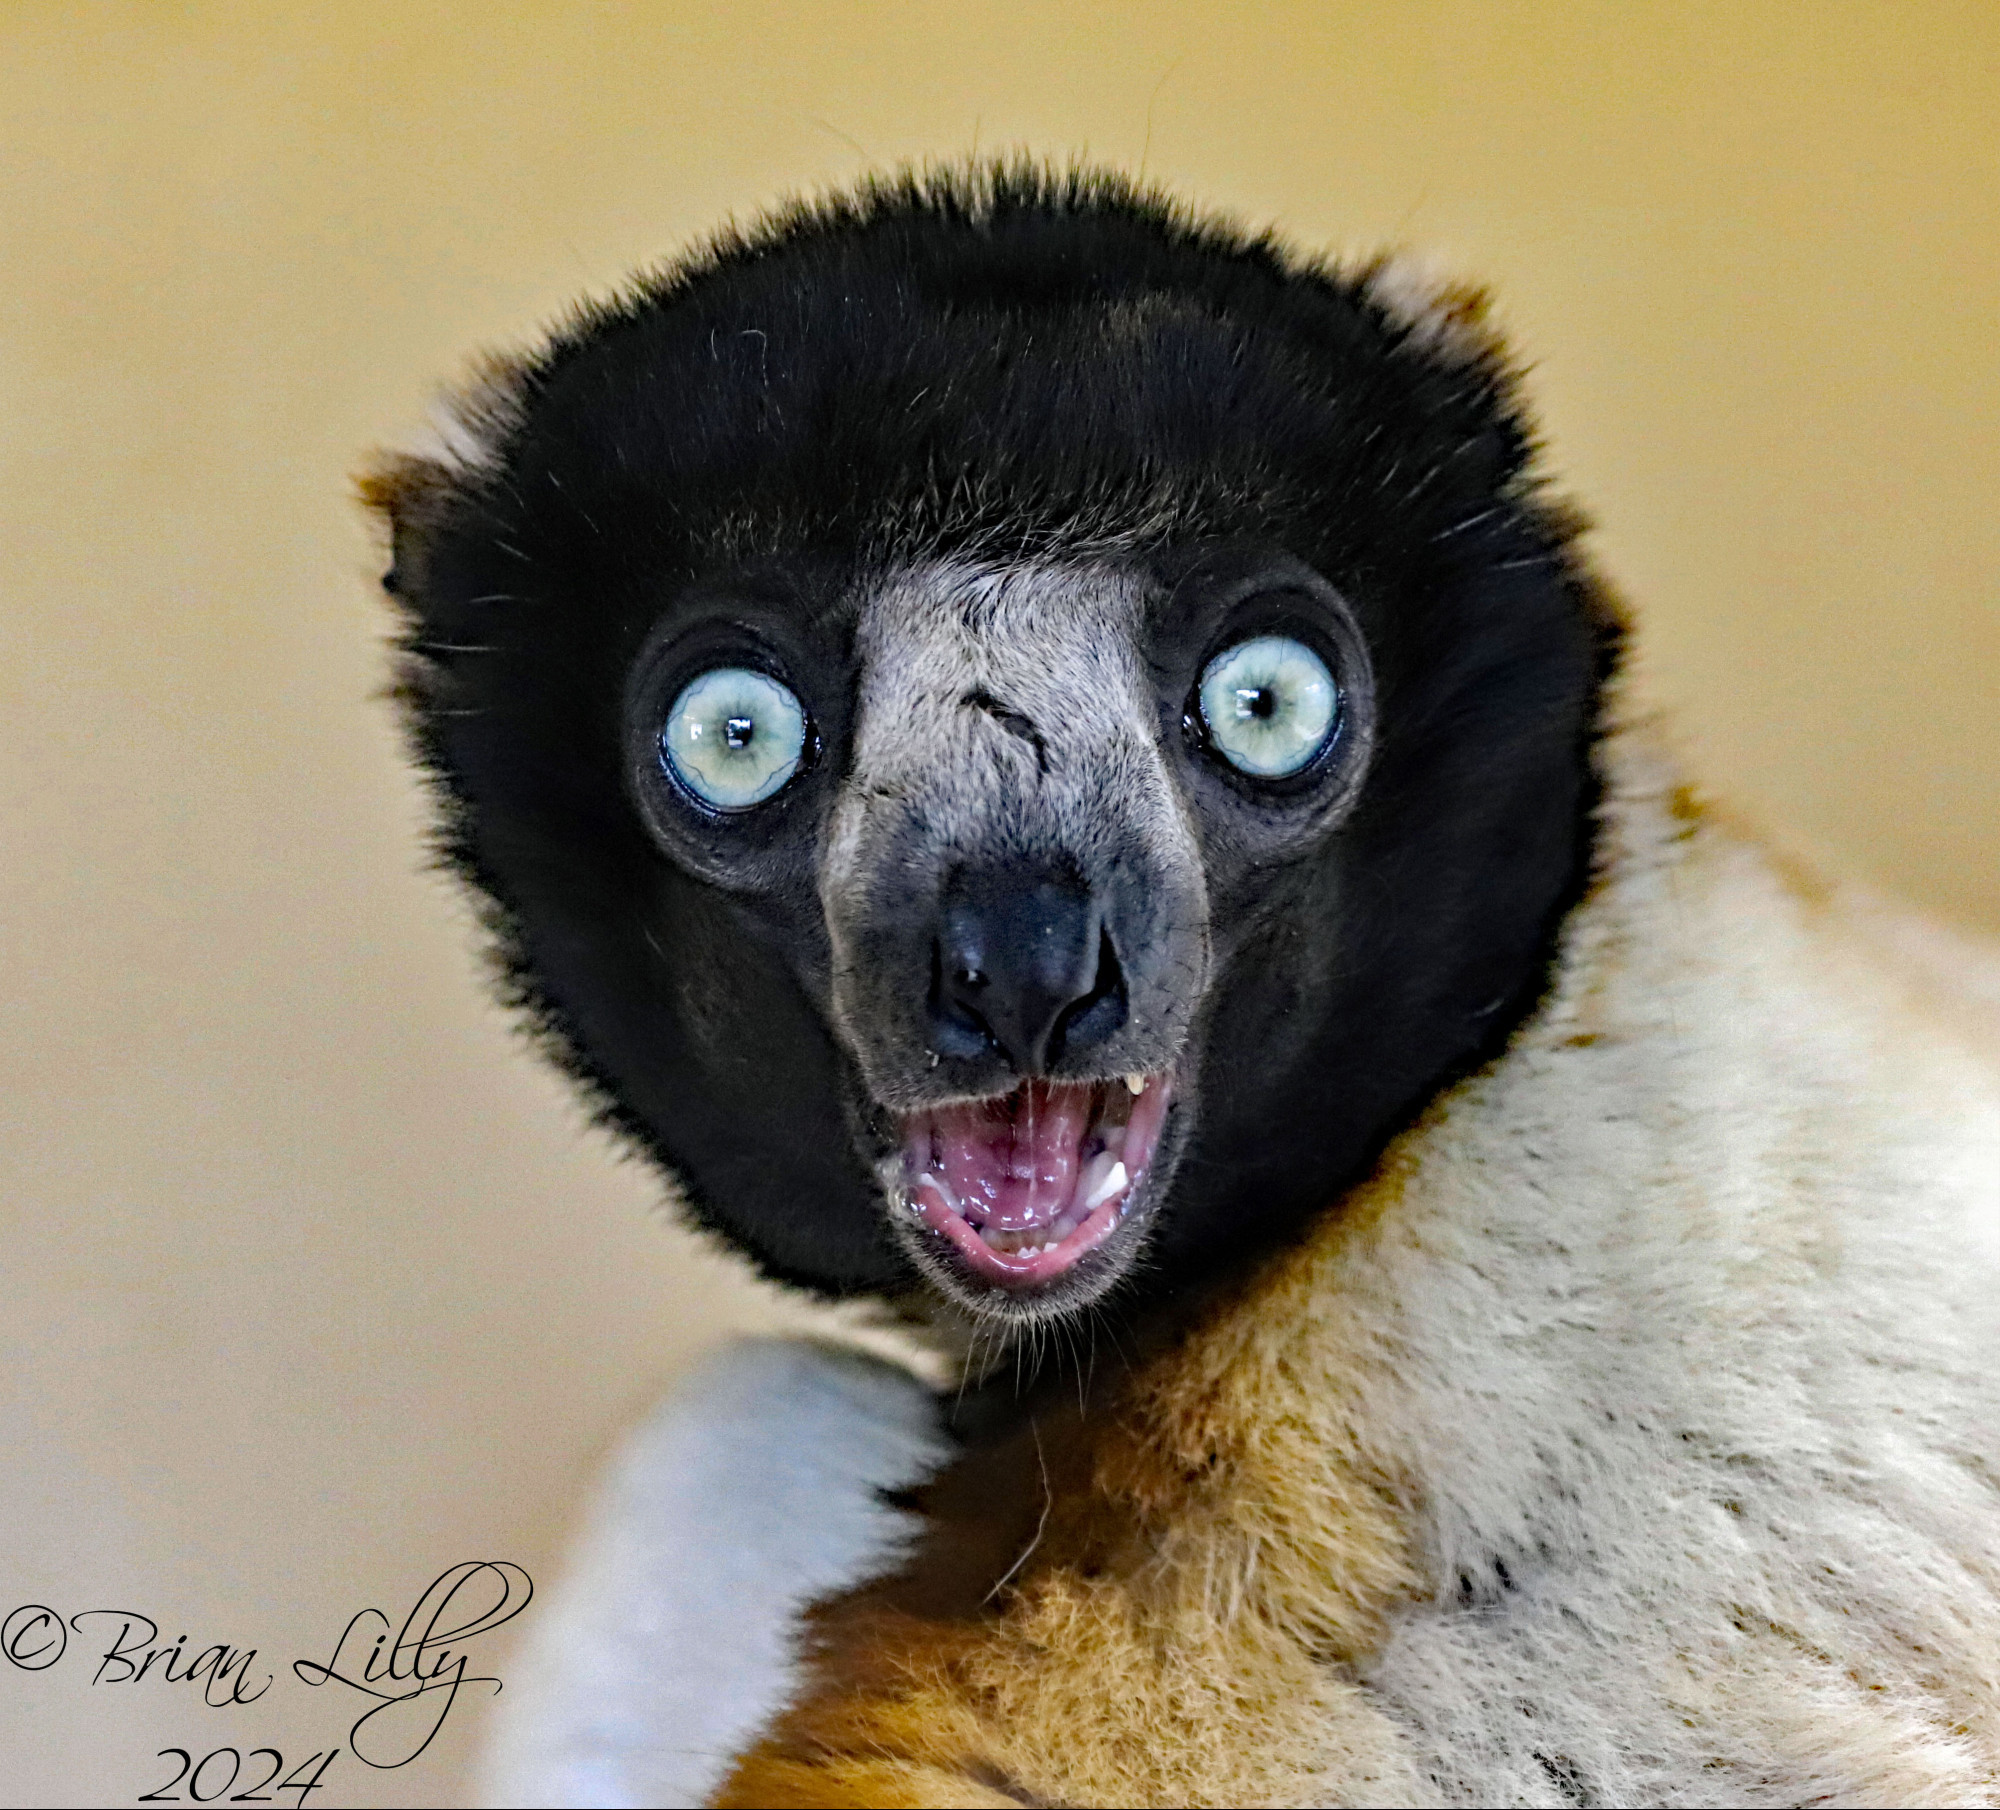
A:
1012,739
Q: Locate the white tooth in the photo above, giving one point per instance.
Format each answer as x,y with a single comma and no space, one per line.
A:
1135,1084
1115,1178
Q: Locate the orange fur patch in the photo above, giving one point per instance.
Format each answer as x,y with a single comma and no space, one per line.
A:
1232,1543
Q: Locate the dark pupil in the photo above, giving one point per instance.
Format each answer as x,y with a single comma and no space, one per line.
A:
737,731
1261,701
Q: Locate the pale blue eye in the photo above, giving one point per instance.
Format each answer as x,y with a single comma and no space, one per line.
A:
1270,705
734,737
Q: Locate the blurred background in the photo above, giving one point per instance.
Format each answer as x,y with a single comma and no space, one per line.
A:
315,1283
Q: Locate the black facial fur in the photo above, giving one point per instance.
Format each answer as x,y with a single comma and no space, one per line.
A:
1000,368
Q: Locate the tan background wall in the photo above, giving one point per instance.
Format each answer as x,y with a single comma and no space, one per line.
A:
313,1286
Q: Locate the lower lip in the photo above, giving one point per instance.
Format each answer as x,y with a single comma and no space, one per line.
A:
1019,1270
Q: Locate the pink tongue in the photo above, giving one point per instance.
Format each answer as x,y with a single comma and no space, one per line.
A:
1012,1163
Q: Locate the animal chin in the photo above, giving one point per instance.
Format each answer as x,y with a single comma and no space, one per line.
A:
1020,1186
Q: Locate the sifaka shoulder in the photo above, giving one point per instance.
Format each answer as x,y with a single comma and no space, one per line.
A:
1057,766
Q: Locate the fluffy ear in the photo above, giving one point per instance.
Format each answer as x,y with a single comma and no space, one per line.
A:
411,496
463,446
1439,313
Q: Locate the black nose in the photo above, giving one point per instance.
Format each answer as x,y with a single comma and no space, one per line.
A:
1024,967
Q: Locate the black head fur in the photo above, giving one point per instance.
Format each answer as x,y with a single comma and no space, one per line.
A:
1001,364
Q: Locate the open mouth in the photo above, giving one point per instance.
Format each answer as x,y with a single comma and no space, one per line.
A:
1024,1184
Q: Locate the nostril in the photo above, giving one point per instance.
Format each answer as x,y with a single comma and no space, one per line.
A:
1100,1014
957,1027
